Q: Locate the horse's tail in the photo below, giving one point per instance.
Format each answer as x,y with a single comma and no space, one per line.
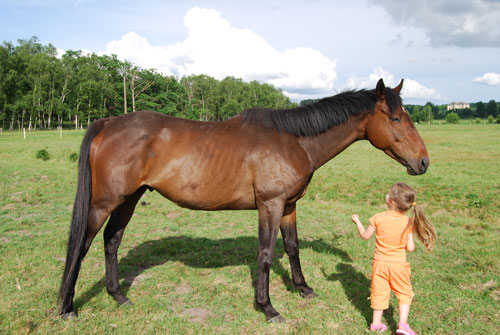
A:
76,241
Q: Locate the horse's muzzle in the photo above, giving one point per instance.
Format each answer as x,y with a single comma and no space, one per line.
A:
418,167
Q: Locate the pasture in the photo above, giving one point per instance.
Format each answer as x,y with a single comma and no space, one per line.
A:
191,272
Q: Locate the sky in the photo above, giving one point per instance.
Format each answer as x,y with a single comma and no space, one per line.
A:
445,50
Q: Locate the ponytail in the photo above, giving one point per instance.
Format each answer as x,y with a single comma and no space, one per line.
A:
404,197
424,229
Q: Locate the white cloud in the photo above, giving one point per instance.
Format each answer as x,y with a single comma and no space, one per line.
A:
491,79
463,23
370,81
136,49
60,53
214,47
411,88
414,90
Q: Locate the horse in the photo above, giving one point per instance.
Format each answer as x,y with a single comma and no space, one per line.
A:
260,159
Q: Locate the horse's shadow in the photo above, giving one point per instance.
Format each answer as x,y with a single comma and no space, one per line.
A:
357,288
201,252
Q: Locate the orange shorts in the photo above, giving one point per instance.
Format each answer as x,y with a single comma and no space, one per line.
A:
387,276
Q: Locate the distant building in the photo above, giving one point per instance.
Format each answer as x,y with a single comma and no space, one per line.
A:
458,105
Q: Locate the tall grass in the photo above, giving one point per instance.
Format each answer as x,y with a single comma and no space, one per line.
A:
191,272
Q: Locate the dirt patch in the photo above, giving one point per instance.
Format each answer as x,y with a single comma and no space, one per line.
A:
24,232
441,212
8,207
183,288
495,295
491,284
198,315
173,215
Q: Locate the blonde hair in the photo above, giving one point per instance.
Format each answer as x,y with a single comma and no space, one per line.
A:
405,197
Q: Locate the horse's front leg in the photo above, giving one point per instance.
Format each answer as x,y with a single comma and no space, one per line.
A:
291,244
270,213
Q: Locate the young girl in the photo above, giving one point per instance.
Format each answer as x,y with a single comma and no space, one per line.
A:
393,235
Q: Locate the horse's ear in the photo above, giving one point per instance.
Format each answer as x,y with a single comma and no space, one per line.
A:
398,88
380,89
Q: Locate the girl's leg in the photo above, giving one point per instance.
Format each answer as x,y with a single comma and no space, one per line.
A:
404,310
377,316
377,324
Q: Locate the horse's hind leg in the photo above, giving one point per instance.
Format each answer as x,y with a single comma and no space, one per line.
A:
112,237
288,229
96,218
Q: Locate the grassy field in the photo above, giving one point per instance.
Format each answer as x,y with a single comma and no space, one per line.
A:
191,272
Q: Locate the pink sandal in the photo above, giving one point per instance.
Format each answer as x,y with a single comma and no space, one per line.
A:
380,328
404,329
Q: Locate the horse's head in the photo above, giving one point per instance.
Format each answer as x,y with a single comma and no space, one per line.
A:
390,128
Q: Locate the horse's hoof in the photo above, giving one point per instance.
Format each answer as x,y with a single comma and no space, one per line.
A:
68,316
309,295
276,319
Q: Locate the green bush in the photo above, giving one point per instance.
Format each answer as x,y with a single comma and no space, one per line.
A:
490,119
73,157
43,155
498,119
474,200
452,118
478,121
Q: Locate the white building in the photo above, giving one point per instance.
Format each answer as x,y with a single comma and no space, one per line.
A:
457,105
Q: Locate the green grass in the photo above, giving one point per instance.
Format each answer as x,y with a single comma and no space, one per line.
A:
191,272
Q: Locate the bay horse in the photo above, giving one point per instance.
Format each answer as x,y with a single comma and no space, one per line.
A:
260,159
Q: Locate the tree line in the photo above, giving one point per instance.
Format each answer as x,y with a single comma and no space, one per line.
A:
40,90
430,112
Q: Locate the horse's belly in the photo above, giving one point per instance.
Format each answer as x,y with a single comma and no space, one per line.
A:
193,197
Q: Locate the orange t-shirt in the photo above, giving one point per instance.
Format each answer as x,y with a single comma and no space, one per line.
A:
391,235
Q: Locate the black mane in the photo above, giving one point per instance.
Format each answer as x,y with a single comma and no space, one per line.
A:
316,118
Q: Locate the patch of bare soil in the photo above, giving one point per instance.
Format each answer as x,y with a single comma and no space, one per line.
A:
183,288
8,207
198,315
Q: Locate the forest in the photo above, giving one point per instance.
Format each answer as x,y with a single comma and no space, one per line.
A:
38,90
41,90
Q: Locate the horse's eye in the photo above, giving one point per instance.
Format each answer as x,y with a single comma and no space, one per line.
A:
395,119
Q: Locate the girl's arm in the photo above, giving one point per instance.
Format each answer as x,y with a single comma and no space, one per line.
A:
410,246
364,233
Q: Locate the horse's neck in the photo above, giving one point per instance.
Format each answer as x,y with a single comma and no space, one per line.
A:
329,144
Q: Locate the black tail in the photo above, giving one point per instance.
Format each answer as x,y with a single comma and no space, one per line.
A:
76,241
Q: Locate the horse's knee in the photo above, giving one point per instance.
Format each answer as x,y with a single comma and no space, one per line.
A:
111,245
265,257
291,248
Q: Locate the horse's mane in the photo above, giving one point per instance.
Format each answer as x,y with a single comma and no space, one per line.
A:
316,118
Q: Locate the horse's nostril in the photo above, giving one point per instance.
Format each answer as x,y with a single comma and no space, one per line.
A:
424,164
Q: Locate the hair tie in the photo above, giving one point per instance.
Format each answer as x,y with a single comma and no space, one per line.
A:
414,204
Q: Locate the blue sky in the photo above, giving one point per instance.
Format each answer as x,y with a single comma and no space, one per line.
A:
446,50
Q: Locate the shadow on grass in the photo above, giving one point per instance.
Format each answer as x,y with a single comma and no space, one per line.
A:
357,288
200,252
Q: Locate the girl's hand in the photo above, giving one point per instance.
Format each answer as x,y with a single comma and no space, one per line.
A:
355,218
